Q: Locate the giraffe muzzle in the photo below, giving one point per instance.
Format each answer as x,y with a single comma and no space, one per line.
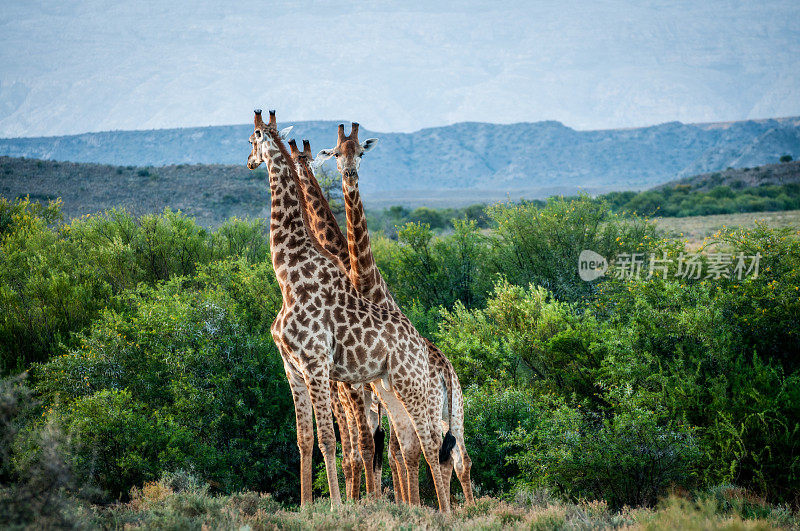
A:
350,174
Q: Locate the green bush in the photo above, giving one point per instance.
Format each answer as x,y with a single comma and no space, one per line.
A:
524,337
191,378
122,442
628,458
47,290
720,355
436,271
541,245
492,415
55,279
36,482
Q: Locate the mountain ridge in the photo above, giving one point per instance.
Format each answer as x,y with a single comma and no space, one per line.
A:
465,155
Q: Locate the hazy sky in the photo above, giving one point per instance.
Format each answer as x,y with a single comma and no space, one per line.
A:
71,67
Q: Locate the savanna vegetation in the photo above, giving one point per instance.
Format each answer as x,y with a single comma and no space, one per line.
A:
681,200
771,188
142,388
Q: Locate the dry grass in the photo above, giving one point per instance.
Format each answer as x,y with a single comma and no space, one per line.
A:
696,229
158,506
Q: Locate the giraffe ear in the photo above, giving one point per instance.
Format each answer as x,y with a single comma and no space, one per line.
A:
368,144
284,133
321,157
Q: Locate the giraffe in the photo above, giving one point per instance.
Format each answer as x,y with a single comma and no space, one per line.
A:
325,331
367,279
330,236
363,429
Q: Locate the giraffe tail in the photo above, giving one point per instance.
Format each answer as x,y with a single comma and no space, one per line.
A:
380,440
449,442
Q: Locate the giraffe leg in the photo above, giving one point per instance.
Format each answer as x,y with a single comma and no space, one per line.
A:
339,412
411,454
447,473
460,458
398,466
353,413
414,394
463,465
408,443
305,430
361,400
320,390
341,401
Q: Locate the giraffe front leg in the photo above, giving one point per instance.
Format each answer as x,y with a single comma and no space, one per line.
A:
339,407
305,430
350,460
320,390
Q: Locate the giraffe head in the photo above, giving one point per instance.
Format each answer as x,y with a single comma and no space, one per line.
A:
257,139
348,152
304,158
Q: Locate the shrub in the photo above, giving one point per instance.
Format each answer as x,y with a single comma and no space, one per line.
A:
541,246
55,279
629,458
721,356
491,416
34,472
122,441
522,337
182,376
435,271
46,289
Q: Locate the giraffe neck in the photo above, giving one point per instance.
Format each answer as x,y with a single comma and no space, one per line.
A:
364,273
322,222
290,242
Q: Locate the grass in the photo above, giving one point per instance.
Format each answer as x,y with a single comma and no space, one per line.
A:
158,505
696,229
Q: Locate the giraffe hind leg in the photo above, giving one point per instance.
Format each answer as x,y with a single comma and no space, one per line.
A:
413,394
463,466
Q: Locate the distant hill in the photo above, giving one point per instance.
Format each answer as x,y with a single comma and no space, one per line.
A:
211,193
770,174
536,158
